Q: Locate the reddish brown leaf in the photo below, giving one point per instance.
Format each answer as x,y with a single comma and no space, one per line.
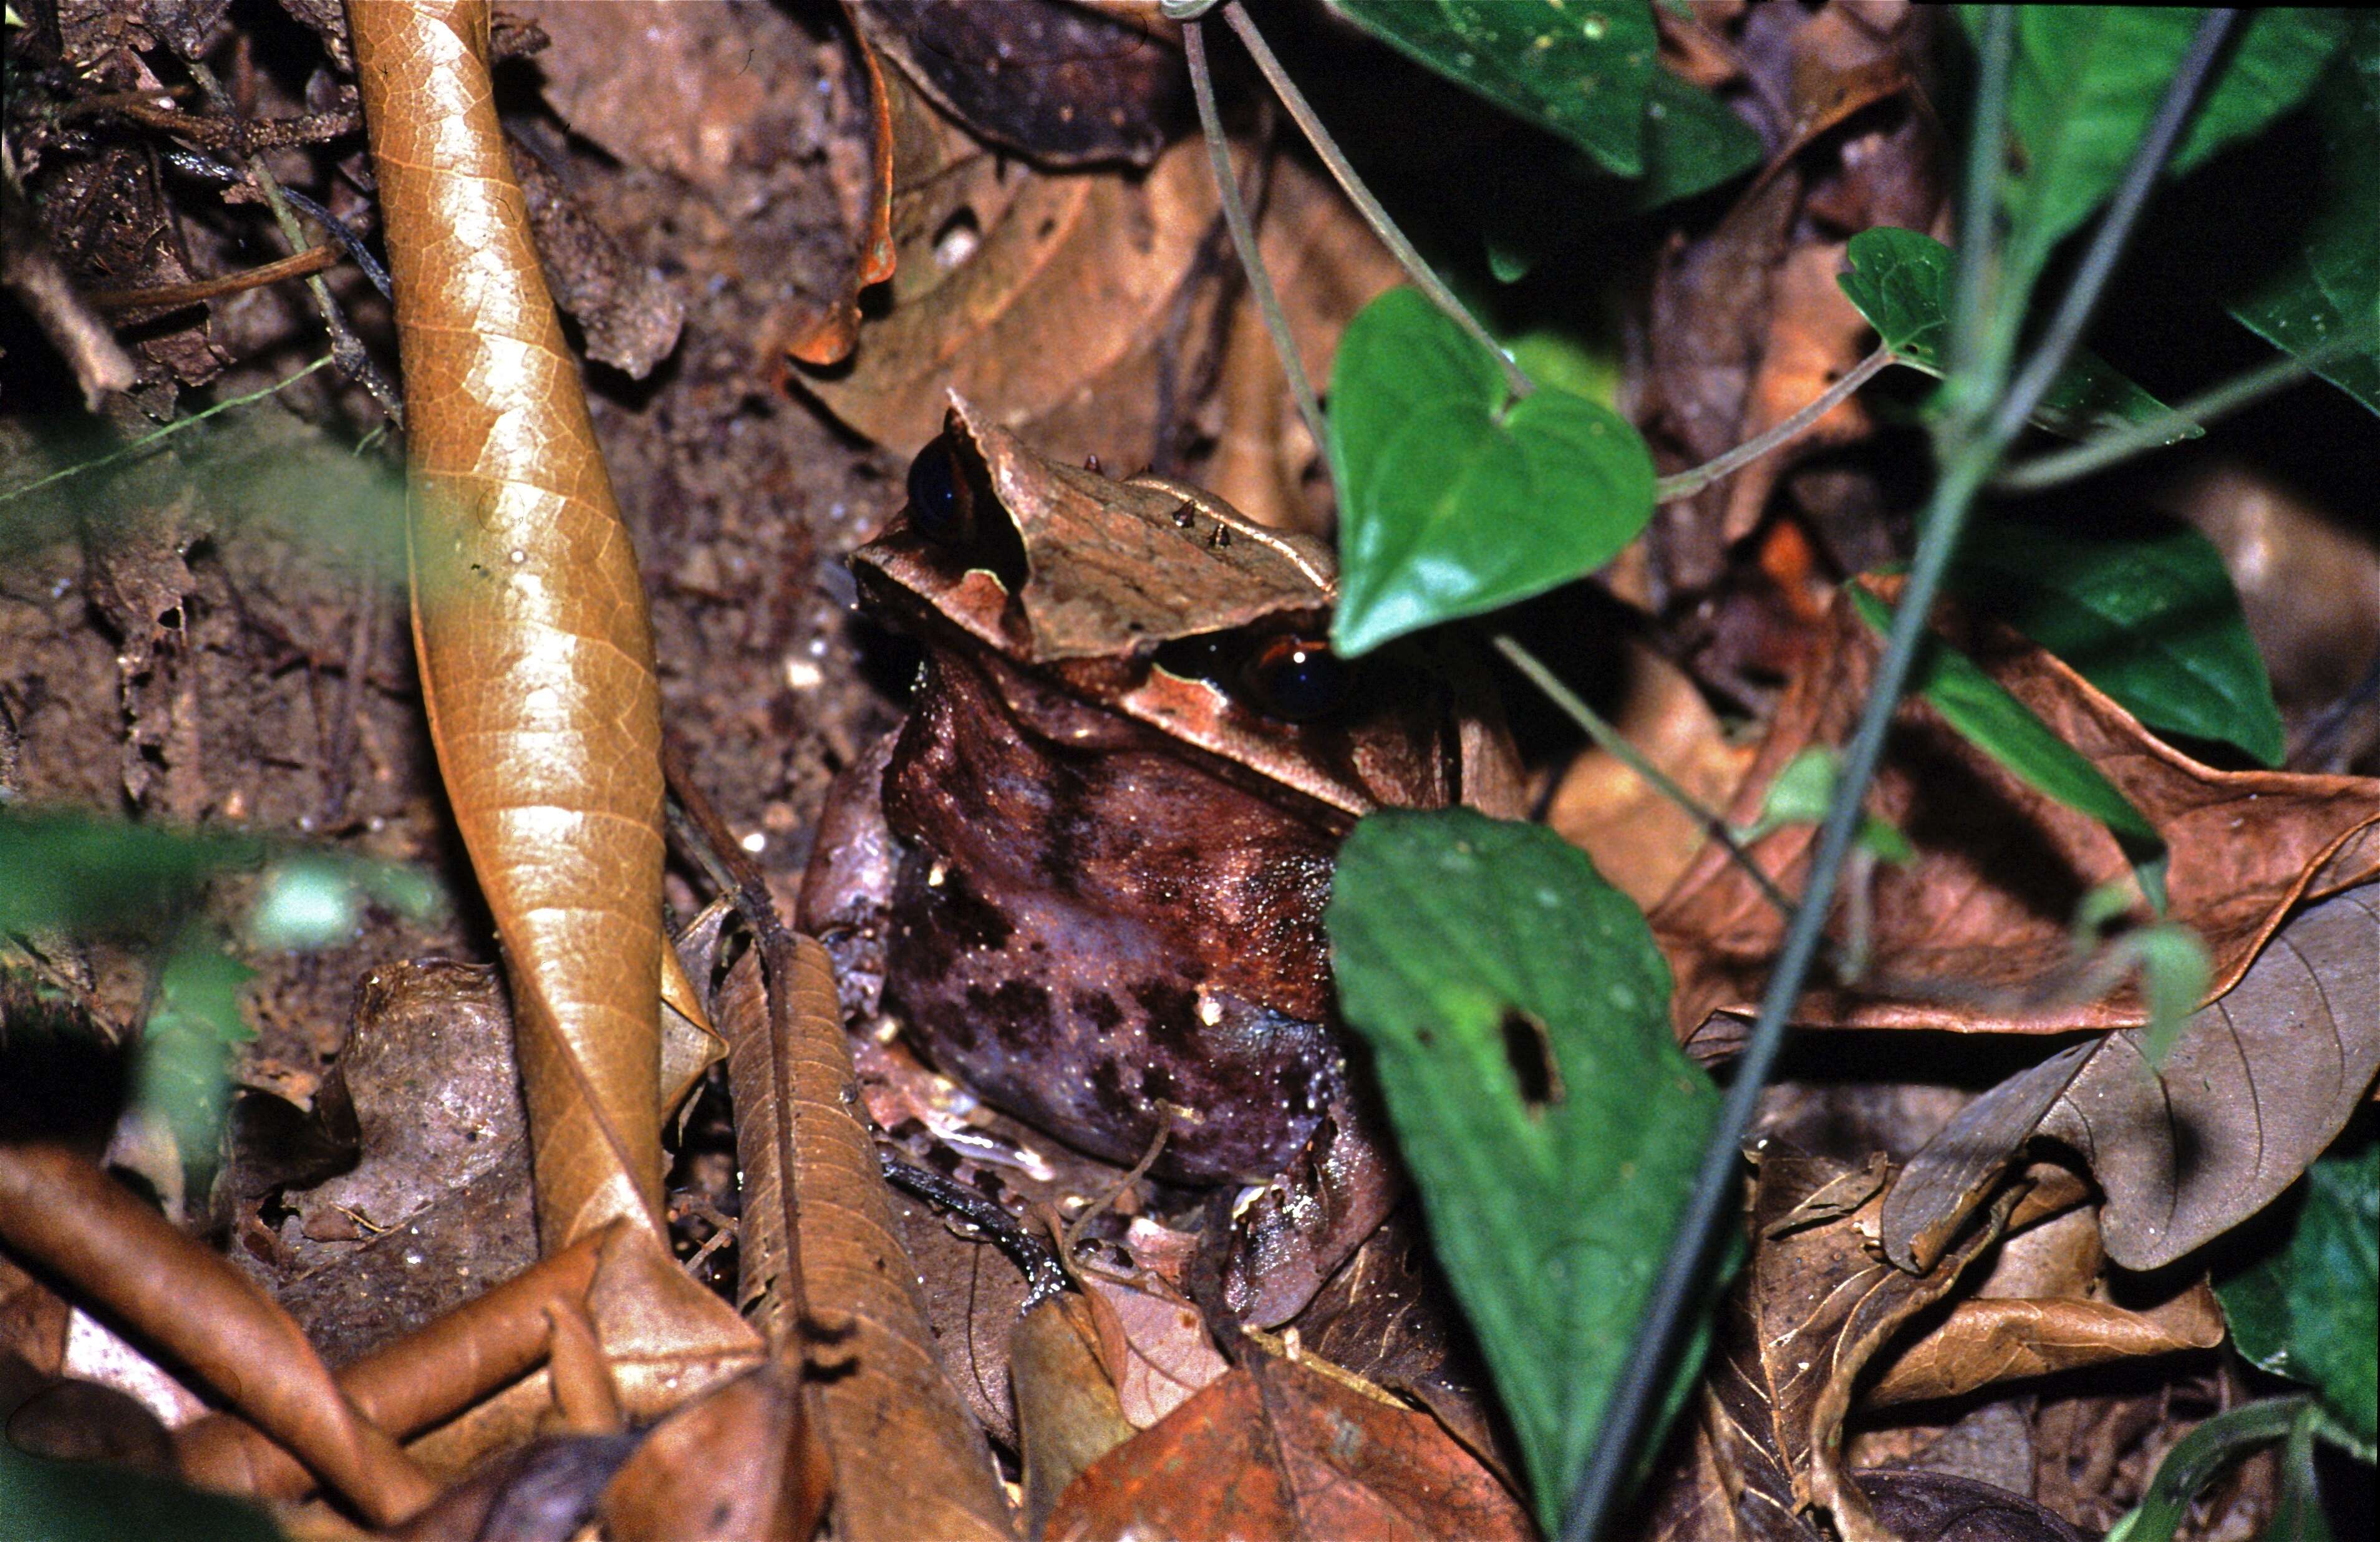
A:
742,1461
1279,1449
1154,1345
1965,937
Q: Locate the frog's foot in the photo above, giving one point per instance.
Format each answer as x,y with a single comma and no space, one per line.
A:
1303,1225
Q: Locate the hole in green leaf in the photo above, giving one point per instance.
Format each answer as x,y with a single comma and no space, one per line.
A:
1530,1053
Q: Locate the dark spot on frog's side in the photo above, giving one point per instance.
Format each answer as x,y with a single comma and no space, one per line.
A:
1017,1011
1172,1015
1156,1084
971,920
1100,1009
1107,1085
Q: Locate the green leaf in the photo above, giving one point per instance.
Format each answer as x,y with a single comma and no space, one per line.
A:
1692,142
186,1046
76,872
2197,1457
2089,78
1454,499
2152,620
2311,1310
1986,716
1579,69
1517,1011
47,1500
2331,284
1901,281
1801,793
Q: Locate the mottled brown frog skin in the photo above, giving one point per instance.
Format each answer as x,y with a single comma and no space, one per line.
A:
1100,904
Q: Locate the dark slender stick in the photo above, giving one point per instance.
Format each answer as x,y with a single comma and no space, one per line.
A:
1967,463
1243,237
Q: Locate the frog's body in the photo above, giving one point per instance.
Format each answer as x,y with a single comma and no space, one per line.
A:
1100,902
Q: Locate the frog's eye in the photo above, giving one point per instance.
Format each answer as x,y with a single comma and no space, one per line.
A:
1293,678
941,505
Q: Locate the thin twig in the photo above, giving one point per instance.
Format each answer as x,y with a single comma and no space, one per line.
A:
354,245
1687,483
148,439
1370,207
1243,237
355,360
170,297
1617,746
1979,211
1968,460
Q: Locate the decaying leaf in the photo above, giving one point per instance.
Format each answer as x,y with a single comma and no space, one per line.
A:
2260,1082
60,1212
839,1286
1276,1448
1067,1412
1066,84
1976,936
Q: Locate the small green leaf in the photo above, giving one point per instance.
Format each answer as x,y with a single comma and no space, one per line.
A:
1901,281
2152,620
1454,499
2311,1310
1986,716
1517,1011
2330,285
2197,1457
1801,793
2088,79
186,1046
1579,69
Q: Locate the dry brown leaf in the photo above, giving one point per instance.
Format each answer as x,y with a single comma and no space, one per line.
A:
1967,937
536,671
59,1211
1639,839
843,1266
421,1380
742,1463
529,619
1067,1413
2257,1086
1068,277
1278,1450
1064,84
1815,1303
1993,1339
1155,1347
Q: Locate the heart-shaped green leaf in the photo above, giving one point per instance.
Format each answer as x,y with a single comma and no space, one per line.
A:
1517,1009
1900,281
2150,619
1453,498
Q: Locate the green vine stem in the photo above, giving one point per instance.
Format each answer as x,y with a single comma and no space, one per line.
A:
1614,744
1374,213
148,440
1687,483
1968,460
